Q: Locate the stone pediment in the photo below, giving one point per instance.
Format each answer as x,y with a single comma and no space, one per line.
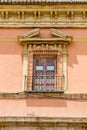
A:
36,33
34,36
57,33
31,34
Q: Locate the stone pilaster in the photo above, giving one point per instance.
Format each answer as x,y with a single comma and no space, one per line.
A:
59,67
25,65
30,71
64,64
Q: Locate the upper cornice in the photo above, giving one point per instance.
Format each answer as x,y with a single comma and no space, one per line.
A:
44,15
43,1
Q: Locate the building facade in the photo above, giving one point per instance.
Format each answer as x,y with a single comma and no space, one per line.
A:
43,63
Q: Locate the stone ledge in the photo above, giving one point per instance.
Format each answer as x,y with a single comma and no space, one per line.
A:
35,95
32,121
44,25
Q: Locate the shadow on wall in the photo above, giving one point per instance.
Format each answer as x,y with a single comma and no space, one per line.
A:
76,49
46,103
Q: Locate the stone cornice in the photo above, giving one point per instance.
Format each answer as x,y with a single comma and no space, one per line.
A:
16,40
73,15
41,121
41,1
45,40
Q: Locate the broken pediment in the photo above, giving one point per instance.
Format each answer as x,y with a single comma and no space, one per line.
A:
31,34
34,36
57,33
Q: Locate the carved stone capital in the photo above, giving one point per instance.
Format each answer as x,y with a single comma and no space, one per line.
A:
25,50
65,51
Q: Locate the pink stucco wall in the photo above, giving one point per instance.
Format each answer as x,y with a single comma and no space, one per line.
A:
43,108
11,64
11,60
77,61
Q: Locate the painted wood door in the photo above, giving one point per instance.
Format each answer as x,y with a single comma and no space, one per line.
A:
44,74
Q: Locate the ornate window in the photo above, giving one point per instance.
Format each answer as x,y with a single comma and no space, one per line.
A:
45,61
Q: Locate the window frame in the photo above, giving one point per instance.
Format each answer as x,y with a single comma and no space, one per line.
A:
33,43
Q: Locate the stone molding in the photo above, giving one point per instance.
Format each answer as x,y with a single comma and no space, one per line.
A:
16,40
33,37
59,15
43,121
41,1
45,95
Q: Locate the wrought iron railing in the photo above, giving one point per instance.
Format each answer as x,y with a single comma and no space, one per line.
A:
44,83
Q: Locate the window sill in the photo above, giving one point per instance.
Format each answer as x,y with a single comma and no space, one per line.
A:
34,91
44,95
